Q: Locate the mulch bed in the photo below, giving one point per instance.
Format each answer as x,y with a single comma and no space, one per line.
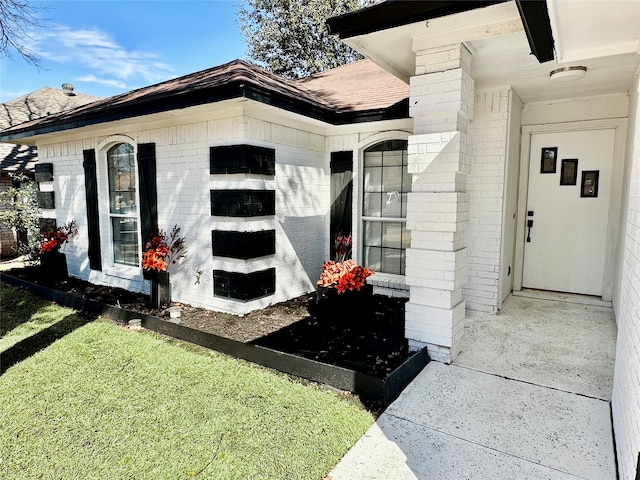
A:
357,330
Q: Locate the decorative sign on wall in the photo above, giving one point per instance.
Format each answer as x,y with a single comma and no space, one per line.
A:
569,171
548,159
589,185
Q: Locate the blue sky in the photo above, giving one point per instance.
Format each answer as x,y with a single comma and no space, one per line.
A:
107,47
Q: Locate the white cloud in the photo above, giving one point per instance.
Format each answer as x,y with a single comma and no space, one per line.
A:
106,61
102,81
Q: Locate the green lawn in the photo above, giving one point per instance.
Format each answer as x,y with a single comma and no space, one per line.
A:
107,403
25,315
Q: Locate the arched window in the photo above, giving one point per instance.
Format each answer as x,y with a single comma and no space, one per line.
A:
123,204
386,183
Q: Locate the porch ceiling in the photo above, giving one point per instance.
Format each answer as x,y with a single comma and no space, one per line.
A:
602,35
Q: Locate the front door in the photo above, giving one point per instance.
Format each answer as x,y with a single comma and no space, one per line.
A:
567,211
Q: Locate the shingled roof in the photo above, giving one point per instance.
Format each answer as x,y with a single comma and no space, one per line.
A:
361,85
352,93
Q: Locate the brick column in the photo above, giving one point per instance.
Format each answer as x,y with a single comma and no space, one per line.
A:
441,105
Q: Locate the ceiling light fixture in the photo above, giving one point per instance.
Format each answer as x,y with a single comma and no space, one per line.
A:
568,74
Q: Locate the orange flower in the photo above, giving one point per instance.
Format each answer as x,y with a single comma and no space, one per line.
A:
162,249
343,276
151,261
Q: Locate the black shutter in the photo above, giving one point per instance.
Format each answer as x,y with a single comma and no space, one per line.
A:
341,208
148,189
93,223
342,162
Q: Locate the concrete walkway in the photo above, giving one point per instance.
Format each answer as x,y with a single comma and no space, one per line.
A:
17,262
528,398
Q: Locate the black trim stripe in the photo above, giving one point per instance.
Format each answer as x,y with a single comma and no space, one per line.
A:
244,286
46,200
243,245
242,159
243,203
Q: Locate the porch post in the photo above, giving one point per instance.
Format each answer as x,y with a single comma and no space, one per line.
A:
441,104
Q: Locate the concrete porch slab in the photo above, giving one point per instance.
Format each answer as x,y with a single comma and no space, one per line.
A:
453,422
528,398
568,346
396,449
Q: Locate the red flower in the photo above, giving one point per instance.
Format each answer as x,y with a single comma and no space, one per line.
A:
52,241
342,246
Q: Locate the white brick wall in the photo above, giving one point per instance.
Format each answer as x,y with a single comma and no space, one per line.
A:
302,185
485,187
626,387
184,183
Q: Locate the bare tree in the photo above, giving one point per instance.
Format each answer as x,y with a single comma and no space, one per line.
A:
17,18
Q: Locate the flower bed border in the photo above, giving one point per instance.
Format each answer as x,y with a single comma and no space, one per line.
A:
368,387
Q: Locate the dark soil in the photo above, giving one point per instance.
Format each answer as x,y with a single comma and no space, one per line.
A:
356,330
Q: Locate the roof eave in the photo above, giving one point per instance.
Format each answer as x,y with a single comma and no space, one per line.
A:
220,93
537,26
395,13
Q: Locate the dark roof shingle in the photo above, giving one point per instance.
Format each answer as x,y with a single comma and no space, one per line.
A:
361,85
358,87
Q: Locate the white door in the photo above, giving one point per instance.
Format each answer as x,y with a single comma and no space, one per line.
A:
566,244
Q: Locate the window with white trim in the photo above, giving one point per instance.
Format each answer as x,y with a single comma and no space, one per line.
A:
386,182
123,204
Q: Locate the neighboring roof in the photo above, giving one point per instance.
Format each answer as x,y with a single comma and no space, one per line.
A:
34,105
395,13
236,79
17,158
38,104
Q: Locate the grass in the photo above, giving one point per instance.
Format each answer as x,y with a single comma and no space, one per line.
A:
24,315
107,403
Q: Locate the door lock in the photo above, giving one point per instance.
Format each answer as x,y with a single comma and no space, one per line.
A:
529,225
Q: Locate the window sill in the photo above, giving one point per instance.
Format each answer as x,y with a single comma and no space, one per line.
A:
389,285
123,271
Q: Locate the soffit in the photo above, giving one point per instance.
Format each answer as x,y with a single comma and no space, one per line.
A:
394,49
598,34
598,28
